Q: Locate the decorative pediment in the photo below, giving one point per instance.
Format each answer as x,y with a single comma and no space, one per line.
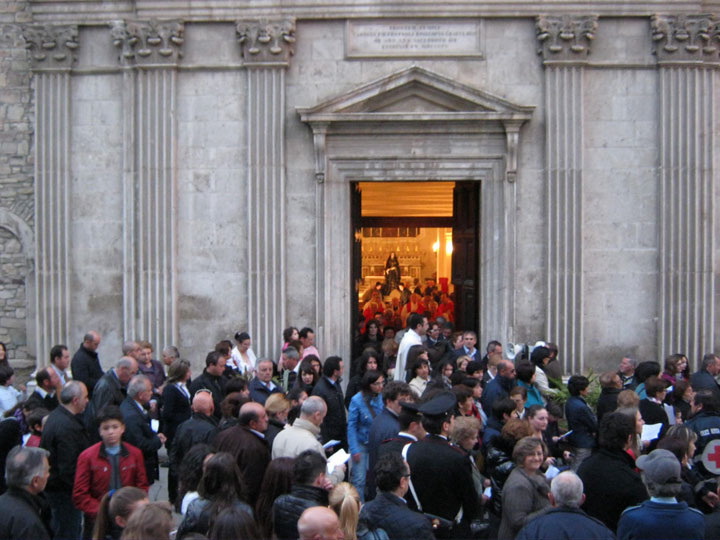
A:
414,95
409,93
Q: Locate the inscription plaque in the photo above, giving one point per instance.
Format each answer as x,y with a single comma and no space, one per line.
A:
412,38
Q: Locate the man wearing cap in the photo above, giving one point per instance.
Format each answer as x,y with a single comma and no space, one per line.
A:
441,473
411,430
662,516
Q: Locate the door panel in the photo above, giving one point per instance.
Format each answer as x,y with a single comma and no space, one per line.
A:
465,261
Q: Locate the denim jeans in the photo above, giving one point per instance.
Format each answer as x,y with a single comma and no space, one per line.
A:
66,519
358,473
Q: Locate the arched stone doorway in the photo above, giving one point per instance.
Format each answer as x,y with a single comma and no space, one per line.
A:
414,125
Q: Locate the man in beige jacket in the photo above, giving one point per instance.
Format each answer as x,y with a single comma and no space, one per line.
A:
303,435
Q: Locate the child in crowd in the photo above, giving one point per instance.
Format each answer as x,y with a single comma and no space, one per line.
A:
36,421
107,465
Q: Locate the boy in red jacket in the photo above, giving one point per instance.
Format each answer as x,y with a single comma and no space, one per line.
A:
107,465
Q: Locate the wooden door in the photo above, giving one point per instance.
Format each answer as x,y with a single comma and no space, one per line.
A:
465,258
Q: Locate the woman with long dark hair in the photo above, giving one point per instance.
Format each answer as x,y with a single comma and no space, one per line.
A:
221,487
276,481
364,407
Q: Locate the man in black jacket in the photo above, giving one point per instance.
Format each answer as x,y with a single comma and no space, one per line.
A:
25,513
389,511
212,379
201,427
65,437
44,395
334,427
85,364
310,488
137,424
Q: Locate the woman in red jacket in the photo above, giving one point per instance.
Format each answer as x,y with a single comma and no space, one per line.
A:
107,465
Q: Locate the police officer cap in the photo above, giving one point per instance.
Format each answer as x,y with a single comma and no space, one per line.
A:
410,407
439,406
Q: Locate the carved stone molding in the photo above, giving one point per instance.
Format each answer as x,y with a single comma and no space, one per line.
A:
51,46
686,38
565,37
148,42
266,41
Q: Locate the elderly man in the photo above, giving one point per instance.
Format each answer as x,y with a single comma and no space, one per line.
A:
389,511
662,516
24,513
85,365
262,386
565,521
138,430
626,371
319,523
303,435
246,441
201,427
111,389
65,437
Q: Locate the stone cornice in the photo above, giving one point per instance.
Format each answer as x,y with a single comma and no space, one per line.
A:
565,38
686,38
83,11
266,41
51,47
147,43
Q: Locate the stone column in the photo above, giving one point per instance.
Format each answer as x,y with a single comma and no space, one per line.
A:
686,47
564,46
149,54
266,48
52,53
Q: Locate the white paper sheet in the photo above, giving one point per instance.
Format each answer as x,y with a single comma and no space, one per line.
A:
338,458
650,432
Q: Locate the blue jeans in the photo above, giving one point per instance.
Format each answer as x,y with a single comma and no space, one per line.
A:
358,473
66,519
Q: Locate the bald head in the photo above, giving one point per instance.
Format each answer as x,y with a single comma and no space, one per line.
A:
319,523
254,416
203,403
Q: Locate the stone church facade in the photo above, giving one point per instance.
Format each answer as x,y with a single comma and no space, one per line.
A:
176,171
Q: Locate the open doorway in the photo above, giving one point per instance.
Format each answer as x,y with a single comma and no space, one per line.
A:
415,248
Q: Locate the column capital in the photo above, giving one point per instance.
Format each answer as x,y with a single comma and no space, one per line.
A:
266,42
565,38
686,38
144,43
51,47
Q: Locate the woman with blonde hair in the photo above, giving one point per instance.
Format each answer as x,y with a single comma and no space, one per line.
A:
153,520
345,502
277,408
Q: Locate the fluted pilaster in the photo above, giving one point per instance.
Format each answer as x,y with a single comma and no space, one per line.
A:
52,51
266,48
686,47
149,51
564,46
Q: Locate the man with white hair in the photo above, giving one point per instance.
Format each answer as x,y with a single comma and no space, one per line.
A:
303,435
27,471
138,430
565,520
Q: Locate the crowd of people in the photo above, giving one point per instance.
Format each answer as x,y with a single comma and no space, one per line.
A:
431,438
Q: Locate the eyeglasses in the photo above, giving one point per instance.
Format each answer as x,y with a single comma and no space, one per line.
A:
203,390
